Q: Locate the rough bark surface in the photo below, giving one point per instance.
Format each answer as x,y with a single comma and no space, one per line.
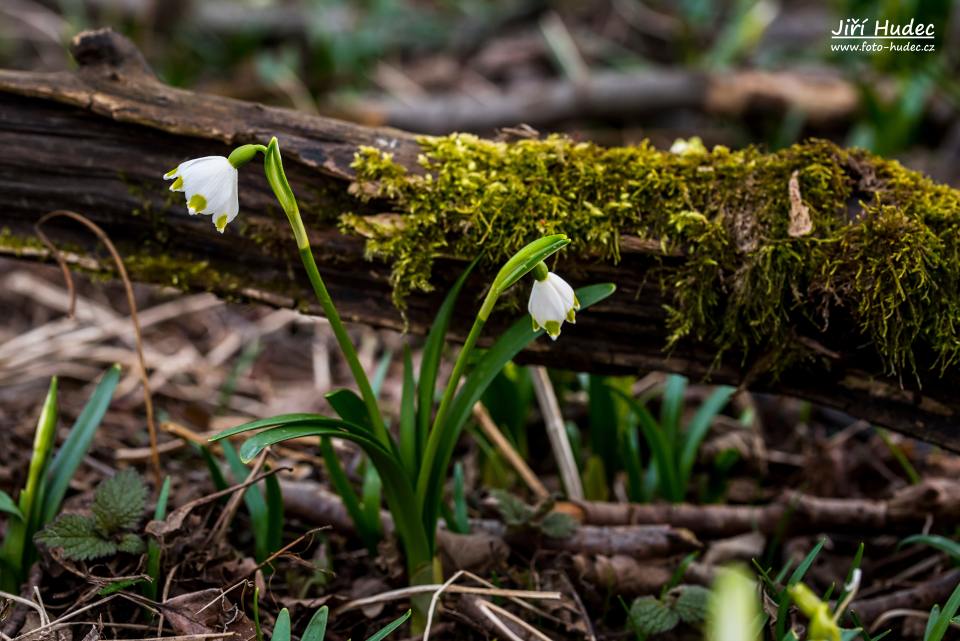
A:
97,141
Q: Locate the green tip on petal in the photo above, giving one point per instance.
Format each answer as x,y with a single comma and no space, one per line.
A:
221,222
576,303
177,184
572,316
197,203
536,325
170,174
552,328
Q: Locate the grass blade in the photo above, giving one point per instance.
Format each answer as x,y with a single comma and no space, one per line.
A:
410,443
153,546
253,500
432,353
75,447
317,628
281,629
698,427
390,627
948,546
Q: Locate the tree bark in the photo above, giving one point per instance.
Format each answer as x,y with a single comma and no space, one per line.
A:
98,140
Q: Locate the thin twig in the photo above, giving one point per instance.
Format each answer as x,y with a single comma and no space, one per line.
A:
506,449
557,431
128,288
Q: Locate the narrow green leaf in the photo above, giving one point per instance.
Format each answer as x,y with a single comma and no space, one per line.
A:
369,534
409,441
697,430
153,546
432,355
317,628
253,500
370,492
216,474
274,499
937,542
460,515
943,620
396,486
380,374
281,629
390,627
7,505
75,447
660,447
671,406
273,421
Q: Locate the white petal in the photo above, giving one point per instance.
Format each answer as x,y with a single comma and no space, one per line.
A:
564,291
546,304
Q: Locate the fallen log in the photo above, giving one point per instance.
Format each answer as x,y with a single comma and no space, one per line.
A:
98,139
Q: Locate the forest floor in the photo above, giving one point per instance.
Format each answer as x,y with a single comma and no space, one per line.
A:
804,475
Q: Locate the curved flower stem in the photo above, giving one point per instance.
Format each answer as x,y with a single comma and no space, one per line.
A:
346,345
273,168
434,437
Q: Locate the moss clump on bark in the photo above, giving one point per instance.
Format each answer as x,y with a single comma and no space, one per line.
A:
882,251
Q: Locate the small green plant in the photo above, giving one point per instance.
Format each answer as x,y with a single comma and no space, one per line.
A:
538,519
48,478
118,506
941,620
651,615
263,501
316,629
411,469
673,446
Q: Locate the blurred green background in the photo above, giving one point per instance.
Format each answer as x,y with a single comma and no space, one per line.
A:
733,72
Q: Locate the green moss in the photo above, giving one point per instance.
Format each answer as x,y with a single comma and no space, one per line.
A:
882,255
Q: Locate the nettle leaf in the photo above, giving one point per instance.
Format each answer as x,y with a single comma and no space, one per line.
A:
77,536
513,511
649,616
558,525
130,543
119,502
691,603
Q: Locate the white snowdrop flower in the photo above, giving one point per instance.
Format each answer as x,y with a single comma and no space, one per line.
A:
552,301
209,185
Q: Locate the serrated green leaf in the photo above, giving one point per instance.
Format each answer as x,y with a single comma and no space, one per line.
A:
649,616
130,543
558,525
691,603
119,502
513,511
77,536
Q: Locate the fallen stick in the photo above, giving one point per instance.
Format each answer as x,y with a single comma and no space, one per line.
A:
132,128
315,504
935,498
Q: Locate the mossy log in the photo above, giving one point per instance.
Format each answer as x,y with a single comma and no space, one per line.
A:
816,272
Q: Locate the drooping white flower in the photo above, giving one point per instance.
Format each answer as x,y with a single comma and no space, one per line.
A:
552,301
209,185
